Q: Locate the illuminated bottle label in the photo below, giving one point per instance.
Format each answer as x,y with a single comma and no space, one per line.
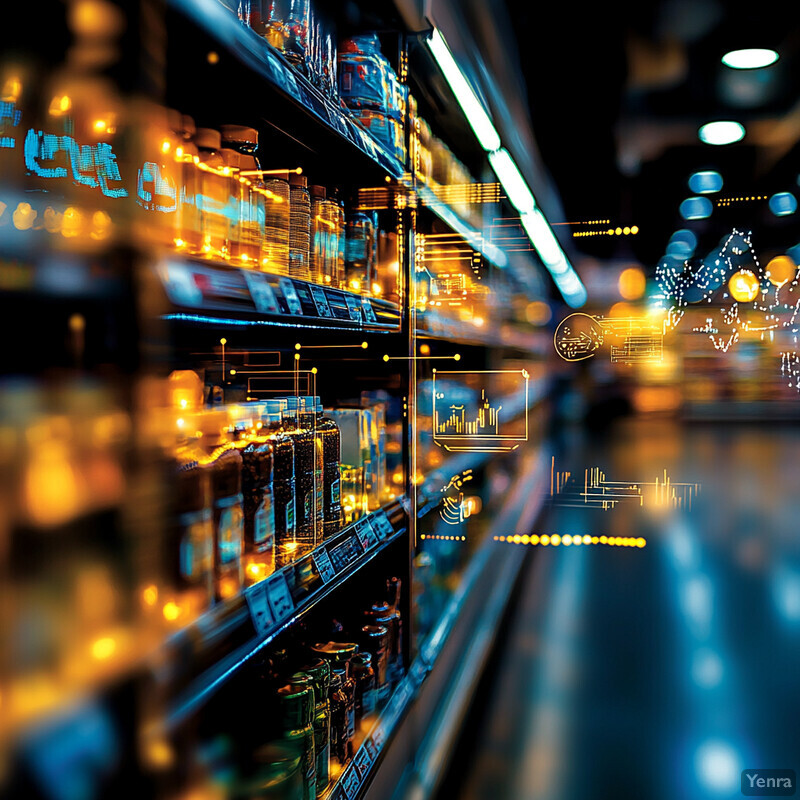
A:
264,524
230,531
290,522
335,496
197,545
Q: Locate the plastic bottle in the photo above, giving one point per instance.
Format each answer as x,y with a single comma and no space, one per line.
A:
225,468
252,193
214,195
331,477
283,482
300,228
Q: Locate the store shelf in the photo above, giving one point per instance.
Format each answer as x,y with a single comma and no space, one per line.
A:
213,293
267,63
433,324
204,655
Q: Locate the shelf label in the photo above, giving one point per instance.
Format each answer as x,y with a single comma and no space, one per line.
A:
339,794
261,292
324,566
354,306
320,301
369,311
351,783
260,612
378,736
346,553
381,525
362,762
290,294
373,748
365,533
279,597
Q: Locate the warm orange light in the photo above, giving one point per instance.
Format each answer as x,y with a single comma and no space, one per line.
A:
538,313
256,571
59,105
103,649
171,611
534,539
781,270
555,539
545,540
150,595
567,539
24,216
744,286
632,283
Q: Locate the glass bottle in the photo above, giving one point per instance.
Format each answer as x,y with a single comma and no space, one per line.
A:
393,589
273,14
252,193
366,686
338,655
308,421
297,35
235,207
300,228
275,254
283,482
188,230
214,196
224,463
331,478
359,252
320,235
297,712
340,274
375,640
189,586
338,701
304,462
277,775
319,673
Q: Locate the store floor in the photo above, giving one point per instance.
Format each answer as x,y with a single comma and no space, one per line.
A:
655,672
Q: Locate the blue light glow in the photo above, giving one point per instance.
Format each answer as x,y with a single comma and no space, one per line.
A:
706,182
782,204
696,208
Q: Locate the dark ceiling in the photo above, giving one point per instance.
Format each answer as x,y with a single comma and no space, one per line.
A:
617,96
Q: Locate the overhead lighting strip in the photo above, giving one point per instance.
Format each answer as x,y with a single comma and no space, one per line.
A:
514,184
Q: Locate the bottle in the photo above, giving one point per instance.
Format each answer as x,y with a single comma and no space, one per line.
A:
366,686
393,589
214,196
188,230
319,673
224,463
300,228
283,482
338,655
259,510
296,703
331,478
273,14
308,420
304,442
278,774
328,266
338,701
375,640
359,252
275,255
235,207
381,614
252,192
320,235
297,35
188,589
340,277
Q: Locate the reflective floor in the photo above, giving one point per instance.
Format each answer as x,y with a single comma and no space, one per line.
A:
663,671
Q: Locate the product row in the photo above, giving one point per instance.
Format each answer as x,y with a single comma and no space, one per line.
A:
214,200
320,699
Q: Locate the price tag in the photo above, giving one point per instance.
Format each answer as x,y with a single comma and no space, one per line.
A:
363,761
354,306
344,554
351,783
261,292
371,747
365,534
260,612
320,301
381,525
378,737
369,311
324,566
290,294
279,597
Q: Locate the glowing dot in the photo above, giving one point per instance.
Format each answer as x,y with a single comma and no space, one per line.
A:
233,372
534,539
626,230
150,595
595,540
567,540
545,540
223,341
104,648
744,286
640,542
457,357
526,539
603,540
517,538
213,57
298,346
576,540
632,283
313,370
587,539
297,356
555,539
364,345
386,358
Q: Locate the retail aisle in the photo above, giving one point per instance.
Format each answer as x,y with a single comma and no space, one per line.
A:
659,672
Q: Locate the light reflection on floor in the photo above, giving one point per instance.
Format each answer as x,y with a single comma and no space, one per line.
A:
659,672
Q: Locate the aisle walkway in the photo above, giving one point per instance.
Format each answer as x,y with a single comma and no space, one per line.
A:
659,672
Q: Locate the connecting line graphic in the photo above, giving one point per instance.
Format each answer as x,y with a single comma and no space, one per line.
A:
455,357
633,341
298,346
600,493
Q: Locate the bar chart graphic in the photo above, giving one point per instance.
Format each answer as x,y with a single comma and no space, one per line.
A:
486,423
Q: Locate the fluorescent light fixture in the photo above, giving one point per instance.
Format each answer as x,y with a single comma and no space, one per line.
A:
544,240
473,109
752,58
511,178
721,132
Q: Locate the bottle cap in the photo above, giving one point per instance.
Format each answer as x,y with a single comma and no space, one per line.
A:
320,672
208,139
318,191
298,180
336,653
239,133
297,705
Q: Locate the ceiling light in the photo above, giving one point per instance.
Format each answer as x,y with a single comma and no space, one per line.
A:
473,109
721,132
753,58
512,181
